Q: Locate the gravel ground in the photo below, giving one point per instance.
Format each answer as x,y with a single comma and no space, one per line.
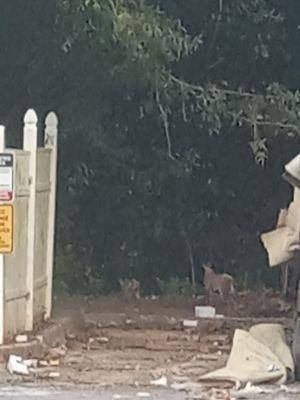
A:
53,394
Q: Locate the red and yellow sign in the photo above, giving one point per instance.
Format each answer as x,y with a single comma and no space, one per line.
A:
6,228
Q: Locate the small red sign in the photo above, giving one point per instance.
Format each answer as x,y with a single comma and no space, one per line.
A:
6,177
6,196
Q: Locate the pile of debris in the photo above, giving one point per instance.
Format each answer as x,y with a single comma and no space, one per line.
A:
38,368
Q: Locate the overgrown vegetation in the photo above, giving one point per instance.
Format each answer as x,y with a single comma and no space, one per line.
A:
176,118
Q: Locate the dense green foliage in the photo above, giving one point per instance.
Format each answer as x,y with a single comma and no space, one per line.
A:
172,134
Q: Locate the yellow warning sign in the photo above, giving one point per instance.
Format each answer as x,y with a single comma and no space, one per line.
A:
6,228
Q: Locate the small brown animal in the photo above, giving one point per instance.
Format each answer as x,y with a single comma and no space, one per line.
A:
217,283
130,288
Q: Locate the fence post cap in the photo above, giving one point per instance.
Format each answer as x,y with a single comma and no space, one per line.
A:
30,117
51,119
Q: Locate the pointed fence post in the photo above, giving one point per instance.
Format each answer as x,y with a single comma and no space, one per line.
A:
30,144
50,142
2,277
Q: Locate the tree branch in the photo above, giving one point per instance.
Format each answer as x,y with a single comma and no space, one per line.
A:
191,257
272,124
212,43
165,121
240,94
201,89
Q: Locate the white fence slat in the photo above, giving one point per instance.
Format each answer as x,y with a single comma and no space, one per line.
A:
50,141
30,144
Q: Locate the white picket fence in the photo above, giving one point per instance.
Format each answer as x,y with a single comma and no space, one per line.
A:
26,274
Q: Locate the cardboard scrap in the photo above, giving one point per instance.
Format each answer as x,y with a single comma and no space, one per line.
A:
258,356
282,242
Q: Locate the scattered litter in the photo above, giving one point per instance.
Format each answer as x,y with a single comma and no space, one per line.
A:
205,312
19,366
290,389
187,386
220,394
189,323
215,338
251,389
90,341
31,363
144,395
21,339
71,336
54,363
16,365
43,363
103,339
163,381
40,338
47,375
237,384
53,375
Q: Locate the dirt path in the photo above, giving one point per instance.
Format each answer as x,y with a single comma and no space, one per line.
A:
135,357
245,304
113,355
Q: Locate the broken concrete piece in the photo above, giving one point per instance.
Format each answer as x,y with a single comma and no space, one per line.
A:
21,339
163,381
53,375
31,363
143,395
205,312
103,339
190,323
43,363
32,349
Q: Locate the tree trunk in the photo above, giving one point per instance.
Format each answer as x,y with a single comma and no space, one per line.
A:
191,258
